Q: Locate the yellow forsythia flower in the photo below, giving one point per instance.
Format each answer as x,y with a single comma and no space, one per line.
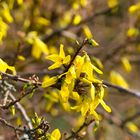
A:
132,32
116,78
38,48
5,12
4,66
58,59
55,135
70,75
47,81
84,2
132,127
20,2
112,3
126,64
75,5
88,68
92,42
92,91
3,29
64,93
134,8
87,31
42,21
20,57
77,19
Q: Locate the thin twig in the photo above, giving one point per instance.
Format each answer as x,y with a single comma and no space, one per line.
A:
5,98
75,134
3,121
121,89
18,100
131,118
18,78
76,53
86,20
22,110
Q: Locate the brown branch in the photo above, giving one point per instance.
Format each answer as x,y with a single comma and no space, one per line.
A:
5,98
18,100
18,78
75,134
121,89
3,121
131,118
76,53
22,110
86,20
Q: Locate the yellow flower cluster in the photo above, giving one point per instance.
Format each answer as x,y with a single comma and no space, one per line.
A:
79,83
4,16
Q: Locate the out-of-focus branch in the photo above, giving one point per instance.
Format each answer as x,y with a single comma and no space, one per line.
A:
121,89
18,100
86,20
75,134
131,118
7,124
22,110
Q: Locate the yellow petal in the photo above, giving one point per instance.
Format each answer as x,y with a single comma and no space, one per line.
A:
116,78
84,108
112,3
66,106
77,19
20,2
95,114
101,92
92,42
84,2
92,91
42,21
4,66
54,66
87,31
54,58
134,8
49,81
132,32
126,64
20,57
56,134
132,127
97,70
6,13
70,75
67,59
38,48
78,63
75,95
62,53
64,93
105,106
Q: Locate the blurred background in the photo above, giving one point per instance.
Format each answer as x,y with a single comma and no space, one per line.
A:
117,31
